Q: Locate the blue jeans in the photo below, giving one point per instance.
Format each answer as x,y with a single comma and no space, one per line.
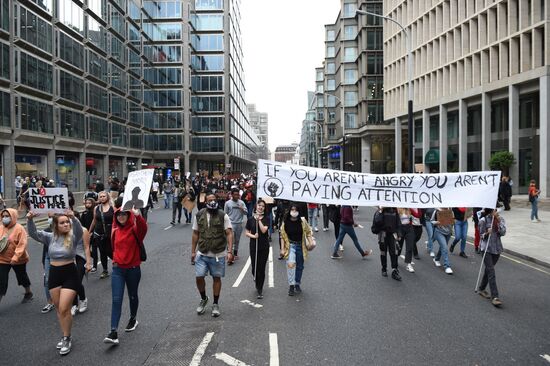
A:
535,209
461,232
46,277
347,229
188,215
120,277
430,232
295,264
168,197
442,240
312,216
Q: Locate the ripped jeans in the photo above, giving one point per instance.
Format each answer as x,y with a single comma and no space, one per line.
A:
295,263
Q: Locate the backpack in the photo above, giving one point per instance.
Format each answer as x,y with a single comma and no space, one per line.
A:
377,222
389,222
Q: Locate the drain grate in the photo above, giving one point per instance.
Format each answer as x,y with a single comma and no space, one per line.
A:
179,343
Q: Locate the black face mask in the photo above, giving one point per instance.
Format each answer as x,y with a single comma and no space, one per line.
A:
212,206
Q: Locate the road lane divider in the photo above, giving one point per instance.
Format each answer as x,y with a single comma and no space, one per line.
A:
273,350
232,361
243,273
270,280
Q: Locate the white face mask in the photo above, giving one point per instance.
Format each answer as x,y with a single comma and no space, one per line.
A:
50,220
294,213
6,220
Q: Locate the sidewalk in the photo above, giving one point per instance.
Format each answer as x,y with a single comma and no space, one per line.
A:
524,239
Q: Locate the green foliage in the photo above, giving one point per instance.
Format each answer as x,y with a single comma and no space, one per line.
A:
502,160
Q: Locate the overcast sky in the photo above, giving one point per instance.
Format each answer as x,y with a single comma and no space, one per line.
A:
283,43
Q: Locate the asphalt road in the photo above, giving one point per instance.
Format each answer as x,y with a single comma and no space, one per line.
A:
347,314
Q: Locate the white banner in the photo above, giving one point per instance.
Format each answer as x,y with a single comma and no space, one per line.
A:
136,191
307,184
45,200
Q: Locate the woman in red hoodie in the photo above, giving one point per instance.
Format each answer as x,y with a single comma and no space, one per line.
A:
129,230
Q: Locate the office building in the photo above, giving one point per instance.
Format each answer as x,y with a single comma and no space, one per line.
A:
259,121
287,154
481,84
97,89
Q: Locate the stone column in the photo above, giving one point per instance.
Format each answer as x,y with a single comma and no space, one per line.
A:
513,133
365,155
82,171
486,130
124,167
443,145
544,183
8,174
425,137
462,136
105,169
51,166
398,147
139,163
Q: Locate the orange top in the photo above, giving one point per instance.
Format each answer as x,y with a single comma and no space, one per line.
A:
16,250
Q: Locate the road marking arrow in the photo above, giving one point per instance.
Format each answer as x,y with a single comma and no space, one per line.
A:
229,360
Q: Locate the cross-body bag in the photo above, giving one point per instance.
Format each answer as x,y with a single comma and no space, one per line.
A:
142,251
4,241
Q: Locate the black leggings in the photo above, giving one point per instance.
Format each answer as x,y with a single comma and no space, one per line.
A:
102,245
388,245
336,229
263,254
81,270
20,273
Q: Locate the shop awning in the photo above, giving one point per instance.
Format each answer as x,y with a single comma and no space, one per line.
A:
432,156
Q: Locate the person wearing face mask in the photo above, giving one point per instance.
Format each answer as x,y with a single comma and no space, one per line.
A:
212,239
257,229
63,278
295,232
13,254
129,230
101,232
237,211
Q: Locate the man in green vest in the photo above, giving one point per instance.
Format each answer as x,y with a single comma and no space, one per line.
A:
212,241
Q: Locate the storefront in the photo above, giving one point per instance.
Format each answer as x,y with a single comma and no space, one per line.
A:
66,170
115,168
30,164
94,169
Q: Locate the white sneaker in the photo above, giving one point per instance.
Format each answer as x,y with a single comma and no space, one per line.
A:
74,310
432,254
316,230
82,305
325,229
448,271
437,263
534,220
341,248
410,268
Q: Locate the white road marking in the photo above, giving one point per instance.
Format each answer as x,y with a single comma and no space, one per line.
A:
168,228
243,273
253,304
273,350
546,357
270,281
229,360
197,357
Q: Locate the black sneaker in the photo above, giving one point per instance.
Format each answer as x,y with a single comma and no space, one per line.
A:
395,275
463,255
297,289
27,298
291,291
384,273
260,295
132,324
335,256
112,338
104,275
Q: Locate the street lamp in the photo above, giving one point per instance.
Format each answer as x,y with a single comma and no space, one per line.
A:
410,85
343,120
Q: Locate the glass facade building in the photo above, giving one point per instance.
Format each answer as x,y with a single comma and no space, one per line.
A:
99,88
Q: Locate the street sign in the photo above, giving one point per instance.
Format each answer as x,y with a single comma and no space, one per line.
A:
176,163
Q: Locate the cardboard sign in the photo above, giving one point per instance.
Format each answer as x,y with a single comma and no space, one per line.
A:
268,200
138,186
445,217
188,204
46,200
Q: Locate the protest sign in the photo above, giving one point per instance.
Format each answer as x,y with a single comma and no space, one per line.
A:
307,184
46,200
138,186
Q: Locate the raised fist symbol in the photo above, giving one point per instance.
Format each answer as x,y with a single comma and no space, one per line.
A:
273,188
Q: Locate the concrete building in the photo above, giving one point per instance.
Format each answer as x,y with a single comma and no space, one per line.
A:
96,89
259,121
310,135
481,84
349,87
287,153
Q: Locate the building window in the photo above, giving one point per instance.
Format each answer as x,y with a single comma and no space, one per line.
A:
207,104
434,128
36,73
320,103
98,98
207,42
350,98
330,51
452,125
119,135
331,68
99,7
529,111
331,35
5,15
163,75
350,54
163,31
36,116
374,39
350,31
331,84
349,10
207,22
474,121
208,124
119,107
163,98
208,4
375,112
72,124
72,15
331,101
375,63
118,77
118,50
168,142
71,51
34,30
136,138
207,144
320,89
163,9
350,76
5,61
207,62
375,87
98,129
71,87
207,83
163,53
97,66
319,76
97,34
118,22
351,120
499,116
376,9
5,109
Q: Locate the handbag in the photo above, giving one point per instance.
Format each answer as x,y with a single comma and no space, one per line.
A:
310,244
4,244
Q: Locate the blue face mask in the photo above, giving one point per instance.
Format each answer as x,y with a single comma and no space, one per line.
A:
6,220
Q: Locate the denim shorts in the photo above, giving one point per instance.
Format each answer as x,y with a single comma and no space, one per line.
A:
205,265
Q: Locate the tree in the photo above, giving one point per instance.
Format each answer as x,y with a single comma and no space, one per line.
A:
502,160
